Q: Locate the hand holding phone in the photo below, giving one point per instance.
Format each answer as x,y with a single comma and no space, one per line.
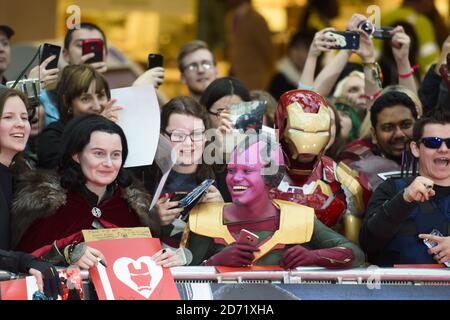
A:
247,237
93,46
177,196
345,40
155,60
47,51
431,244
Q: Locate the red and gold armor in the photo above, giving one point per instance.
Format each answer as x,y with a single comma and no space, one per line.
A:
303,120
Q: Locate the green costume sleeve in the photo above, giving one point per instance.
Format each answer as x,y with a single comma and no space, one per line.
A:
324,237
202,248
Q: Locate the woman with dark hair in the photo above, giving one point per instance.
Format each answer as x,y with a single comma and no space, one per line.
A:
184,122
90,190
218,97
81,90
14,133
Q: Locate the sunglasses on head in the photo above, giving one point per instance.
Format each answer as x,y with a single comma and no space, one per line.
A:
435,142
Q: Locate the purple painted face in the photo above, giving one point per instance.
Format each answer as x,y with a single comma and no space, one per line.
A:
244,179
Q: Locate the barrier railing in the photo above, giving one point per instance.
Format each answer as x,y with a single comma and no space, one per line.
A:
303,283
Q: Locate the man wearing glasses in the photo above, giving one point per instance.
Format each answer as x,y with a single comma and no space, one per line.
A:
197,65
403,212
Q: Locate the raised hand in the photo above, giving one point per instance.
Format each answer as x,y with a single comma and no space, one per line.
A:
366,49
420,190
354,21
99,66
49,77
154,77
322,42
111,111
400,44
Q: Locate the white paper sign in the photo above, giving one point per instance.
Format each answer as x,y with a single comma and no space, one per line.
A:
140,120
165,159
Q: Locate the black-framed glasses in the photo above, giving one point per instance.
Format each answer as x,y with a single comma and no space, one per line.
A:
218,113
435,142
195,66
178,136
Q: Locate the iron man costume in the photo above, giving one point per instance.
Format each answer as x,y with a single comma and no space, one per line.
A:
334,190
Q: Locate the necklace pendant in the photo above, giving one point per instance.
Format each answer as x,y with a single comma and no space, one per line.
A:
96,212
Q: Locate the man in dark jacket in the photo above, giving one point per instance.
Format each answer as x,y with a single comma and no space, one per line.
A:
403,212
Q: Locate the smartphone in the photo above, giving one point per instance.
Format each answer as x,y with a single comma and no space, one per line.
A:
431,244
95,46
47,51
384,33
247,237
192,198
345,39
155,60
178,196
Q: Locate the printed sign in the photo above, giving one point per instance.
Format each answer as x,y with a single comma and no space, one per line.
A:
131,274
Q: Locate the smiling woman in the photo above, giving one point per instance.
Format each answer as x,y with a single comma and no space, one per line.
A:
289,234
91,190
183,122
14,133
81,90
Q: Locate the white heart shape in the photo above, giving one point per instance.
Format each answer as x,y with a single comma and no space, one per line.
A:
143,277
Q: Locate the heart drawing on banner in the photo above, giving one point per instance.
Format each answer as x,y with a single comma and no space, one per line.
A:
141,275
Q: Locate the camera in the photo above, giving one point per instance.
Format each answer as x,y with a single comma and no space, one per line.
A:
368,27
30,87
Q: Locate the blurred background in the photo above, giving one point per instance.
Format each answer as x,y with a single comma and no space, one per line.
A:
134,28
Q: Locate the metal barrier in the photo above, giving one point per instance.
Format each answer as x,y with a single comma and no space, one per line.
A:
305,283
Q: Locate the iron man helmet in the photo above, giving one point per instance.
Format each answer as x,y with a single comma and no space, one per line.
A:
303,120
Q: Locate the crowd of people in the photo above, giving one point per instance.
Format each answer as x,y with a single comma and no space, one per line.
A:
357,172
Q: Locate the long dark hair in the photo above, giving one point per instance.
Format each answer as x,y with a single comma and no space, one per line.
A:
188,106
223,87
76,136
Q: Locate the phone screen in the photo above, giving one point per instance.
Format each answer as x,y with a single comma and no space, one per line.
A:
178,196
49,50
155,60
93,46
